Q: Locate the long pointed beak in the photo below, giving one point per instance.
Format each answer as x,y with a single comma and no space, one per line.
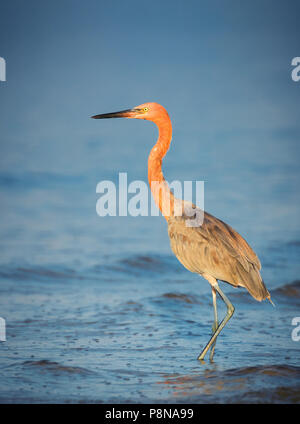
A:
128,113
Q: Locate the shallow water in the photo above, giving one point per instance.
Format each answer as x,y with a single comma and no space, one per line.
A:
99,309
130,329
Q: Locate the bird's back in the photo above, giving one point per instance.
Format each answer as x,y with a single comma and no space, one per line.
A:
216,249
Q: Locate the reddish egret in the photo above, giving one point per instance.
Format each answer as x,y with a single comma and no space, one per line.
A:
214,249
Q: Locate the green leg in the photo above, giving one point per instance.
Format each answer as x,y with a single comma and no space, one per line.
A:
230,311
215,324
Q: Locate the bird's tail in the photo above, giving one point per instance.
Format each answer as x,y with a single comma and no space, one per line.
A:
253,282
270,300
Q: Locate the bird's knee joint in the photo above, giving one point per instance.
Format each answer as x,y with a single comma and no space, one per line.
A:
231,309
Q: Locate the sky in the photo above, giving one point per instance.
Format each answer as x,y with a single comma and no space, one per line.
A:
221,68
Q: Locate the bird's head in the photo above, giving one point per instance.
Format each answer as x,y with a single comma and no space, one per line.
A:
148,111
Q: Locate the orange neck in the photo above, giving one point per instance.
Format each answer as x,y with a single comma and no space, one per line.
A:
162,194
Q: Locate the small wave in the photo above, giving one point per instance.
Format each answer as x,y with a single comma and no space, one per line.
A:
52,366
131,306
294,243
181,297
37,273
269,384
147,264
271,370
36,180
290,290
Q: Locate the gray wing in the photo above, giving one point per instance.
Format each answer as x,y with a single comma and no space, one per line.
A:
217,249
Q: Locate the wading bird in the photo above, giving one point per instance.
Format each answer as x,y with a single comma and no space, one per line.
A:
213,249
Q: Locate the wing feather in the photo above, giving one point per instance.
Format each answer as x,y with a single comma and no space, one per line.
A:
215,248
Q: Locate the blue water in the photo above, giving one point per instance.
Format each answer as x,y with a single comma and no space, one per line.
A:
99,310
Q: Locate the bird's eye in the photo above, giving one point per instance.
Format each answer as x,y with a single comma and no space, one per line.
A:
146,109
